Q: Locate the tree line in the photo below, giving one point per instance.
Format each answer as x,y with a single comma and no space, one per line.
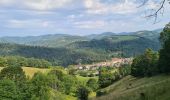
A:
148,64
109,75
152,63
14,85
14,61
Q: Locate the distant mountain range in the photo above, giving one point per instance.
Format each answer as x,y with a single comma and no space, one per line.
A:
60,40
61,49
56,40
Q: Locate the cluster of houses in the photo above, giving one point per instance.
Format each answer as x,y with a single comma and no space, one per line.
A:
115,62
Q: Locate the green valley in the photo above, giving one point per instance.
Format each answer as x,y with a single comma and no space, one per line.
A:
84,50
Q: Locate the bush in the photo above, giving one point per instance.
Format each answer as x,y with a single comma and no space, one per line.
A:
105,77
145,64
8,90
92,84
83,93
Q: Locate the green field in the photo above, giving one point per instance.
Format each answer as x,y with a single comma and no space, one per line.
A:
84,79
131,88
30,71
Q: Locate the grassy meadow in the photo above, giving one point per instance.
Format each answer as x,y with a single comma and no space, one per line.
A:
131,88
30,71
84,79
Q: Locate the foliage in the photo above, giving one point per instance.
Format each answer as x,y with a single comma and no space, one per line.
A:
55,83
57,56
15,74
164,60
8,90
83,93
71,70
89,51
129,47
123,71
58,73
70,84
109,75
14,61
92,84
83,73
3,62
146,64
64,83
40,89
165,34
105,77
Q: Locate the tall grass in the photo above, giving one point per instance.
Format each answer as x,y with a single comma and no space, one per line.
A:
129,88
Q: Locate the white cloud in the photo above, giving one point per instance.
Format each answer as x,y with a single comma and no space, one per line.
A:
16,23
93,6
6,2
96,7
46,4
32,23
90,24
36,4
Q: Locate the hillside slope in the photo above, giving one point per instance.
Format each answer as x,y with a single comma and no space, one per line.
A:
130,88
57,56
129,45
67,50
56,40
62,40
87,51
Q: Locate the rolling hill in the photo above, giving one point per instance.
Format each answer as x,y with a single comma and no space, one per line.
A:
61,49
131,88
57,56
62,40
56,40
128,45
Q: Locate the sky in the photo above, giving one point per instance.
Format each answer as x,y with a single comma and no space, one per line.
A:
78,17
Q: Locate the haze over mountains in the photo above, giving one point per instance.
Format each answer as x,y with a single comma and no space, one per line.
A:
57,40
62,49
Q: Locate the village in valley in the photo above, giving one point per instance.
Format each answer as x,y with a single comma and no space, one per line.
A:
93,69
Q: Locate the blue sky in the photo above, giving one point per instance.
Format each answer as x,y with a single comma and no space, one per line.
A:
77,17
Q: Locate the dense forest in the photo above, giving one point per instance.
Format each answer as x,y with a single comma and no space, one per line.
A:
57,56
74,51
24,62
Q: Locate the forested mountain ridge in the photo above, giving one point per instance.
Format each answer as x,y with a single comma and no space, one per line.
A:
67,50
57,56
128,45
61,40
87,51
56,40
